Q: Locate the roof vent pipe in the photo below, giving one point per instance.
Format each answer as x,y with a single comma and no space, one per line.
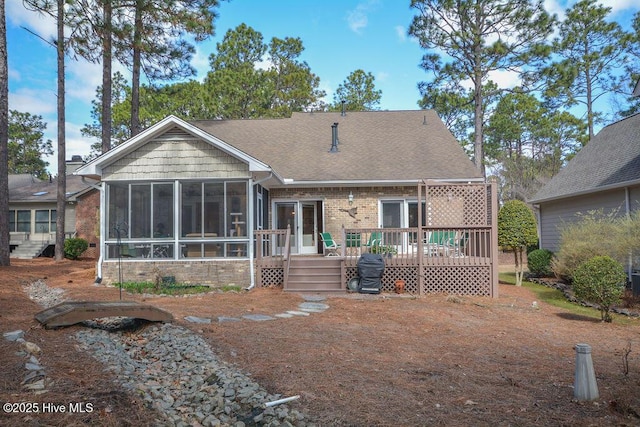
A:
334,138
424,121
344,113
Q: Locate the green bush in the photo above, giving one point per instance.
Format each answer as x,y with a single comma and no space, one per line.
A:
74,247
600,280
539,262
596,234
517,230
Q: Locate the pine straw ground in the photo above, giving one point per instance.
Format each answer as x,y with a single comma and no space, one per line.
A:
366,361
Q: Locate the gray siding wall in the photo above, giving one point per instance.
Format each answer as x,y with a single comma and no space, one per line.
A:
553,215
634,198
176,156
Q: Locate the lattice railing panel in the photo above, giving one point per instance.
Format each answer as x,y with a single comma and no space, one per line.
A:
272,277
457,280
456,205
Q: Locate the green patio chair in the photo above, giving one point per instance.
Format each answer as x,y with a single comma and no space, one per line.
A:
442,242
330,246
375,239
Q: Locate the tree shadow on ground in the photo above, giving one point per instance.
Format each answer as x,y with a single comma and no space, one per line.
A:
580,317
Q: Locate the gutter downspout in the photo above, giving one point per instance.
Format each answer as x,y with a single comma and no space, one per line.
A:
100,188
627,202
252,282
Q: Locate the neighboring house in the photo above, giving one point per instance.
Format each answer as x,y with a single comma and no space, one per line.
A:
33,212
604,175
188,198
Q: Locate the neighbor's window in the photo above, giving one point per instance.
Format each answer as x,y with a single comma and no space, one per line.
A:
24,221
45,221
12,220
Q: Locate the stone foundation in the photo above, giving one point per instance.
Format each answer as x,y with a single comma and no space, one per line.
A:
212,273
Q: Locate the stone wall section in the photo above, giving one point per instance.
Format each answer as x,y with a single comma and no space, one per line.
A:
206,272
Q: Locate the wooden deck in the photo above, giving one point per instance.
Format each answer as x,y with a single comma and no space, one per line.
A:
72,312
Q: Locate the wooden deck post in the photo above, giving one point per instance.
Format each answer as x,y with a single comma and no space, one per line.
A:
494,238
420,241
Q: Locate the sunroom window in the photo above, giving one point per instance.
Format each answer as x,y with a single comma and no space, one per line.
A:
209,219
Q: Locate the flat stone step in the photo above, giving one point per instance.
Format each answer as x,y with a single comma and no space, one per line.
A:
71,312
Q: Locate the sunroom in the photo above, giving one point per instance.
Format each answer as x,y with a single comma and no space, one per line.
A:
176,219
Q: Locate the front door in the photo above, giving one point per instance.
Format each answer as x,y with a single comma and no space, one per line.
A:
301,217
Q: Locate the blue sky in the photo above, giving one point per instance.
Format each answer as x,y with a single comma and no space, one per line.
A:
339,37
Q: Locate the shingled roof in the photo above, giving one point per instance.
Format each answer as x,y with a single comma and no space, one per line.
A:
20,180
373,146
46,191
610,160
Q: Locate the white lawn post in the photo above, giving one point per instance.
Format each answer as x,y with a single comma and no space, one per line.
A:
585,387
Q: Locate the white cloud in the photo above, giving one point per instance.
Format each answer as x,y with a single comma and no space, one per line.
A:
42,25
357,18
553,7
619,5
83,78
200,60
75,143
263,64
14,75
401,33
382,76
503,78
34,101
559,7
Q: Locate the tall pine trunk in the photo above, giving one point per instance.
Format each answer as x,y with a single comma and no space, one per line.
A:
106,75
62,178
135,74
4,141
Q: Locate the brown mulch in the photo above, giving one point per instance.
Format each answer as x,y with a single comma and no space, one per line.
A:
370,360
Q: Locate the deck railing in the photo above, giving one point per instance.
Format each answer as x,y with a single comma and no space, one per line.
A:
272,252
406,246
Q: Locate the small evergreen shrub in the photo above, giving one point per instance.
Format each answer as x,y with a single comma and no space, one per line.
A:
539,262
74,247
600,280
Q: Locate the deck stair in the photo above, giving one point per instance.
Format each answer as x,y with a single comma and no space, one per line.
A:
72,312
315,274
28,249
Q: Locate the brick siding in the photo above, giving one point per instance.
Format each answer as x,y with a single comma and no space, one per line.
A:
206,272
87,219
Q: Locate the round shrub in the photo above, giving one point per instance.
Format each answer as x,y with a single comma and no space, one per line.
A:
74,247
539,262
600,280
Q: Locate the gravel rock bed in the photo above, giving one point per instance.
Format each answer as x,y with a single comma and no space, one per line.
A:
174,371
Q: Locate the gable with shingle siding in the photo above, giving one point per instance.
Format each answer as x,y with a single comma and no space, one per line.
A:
183,157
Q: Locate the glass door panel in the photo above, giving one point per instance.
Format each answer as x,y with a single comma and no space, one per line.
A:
286,217
309,228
